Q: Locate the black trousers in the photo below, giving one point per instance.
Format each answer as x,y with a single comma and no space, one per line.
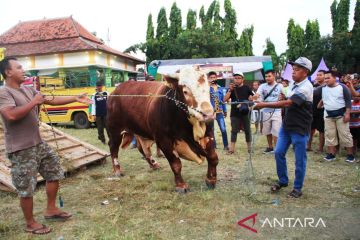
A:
235,127
101,125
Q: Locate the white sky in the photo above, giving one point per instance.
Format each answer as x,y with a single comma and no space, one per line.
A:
127,20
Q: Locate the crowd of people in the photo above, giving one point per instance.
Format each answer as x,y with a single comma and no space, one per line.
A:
289,113
329,105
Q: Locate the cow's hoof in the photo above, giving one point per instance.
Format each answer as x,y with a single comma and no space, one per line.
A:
119,174
155,166
211,184
182,190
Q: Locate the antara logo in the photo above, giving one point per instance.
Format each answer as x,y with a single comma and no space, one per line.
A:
289,222
253,217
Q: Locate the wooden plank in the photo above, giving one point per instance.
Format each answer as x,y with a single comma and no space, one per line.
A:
5,188
5,177
85,161
69,147
51,138
84,143
74,153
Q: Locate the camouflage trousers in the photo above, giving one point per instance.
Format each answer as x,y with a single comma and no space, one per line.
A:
27,163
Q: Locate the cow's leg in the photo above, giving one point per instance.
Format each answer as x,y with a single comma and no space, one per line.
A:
213,161
175,164
115,139
146,150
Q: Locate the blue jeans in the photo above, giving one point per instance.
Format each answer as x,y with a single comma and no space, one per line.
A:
299,142
221,122
133,142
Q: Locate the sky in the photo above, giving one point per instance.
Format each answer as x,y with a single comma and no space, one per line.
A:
126,21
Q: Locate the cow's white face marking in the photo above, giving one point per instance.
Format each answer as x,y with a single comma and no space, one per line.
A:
196,90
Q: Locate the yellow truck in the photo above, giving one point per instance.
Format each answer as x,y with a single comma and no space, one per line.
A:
75,112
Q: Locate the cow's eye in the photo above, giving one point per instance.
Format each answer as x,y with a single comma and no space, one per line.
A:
185,92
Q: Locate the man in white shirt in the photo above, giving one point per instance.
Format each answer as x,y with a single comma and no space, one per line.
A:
271,118
336,99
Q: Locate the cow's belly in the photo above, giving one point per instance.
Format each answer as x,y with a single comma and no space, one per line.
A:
182,149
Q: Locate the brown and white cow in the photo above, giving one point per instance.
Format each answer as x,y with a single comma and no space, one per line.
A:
180,123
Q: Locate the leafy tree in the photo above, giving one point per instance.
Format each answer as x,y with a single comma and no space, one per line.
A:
160,46
162,29
340,16
229,28
191,20
202,16
355,38
245,42
175,22
217,20
295,40
312,33
270,51
150,28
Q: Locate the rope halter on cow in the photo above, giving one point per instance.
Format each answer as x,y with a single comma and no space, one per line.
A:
183,106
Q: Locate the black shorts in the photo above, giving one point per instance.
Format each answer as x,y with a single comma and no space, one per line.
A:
355,132
318,123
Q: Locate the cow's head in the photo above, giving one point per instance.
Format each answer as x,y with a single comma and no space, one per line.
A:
196,90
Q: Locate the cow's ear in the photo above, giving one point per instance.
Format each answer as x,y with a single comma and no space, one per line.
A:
172,80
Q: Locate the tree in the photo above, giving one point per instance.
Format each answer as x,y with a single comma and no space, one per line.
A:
333,11
340,16
217,21
295,40
150,28
160,45
162,24
245,42
270,51
191,20
343,15
202,16
175,22
229,28
355,38
312,34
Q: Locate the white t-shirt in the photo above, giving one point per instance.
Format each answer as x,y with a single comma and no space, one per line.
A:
264,90
333,98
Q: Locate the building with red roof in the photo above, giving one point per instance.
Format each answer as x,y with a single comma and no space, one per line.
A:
63,48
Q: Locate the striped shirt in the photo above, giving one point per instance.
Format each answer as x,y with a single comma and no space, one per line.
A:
355,117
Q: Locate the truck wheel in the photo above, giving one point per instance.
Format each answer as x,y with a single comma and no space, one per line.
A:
81,120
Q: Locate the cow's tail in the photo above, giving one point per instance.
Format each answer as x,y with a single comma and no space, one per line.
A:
126,139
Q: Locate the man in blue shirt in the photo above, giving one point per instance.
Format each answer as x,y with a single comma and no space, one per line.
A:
295,128
217,101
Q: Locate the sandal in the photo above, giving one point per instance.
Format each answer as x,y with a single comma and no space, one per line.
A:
39,231
294,194
60,216
277,186
230,152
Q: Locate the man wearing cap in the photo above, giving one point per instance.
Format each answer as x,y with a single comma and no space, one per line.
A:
98,110
238,92
295,128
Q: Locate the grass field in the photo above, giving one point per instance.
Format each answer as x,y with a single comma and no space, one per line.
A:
143,204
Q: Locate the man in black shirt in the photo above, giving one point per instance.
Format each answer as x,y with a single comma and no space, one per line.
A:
238,92
318,113
98,110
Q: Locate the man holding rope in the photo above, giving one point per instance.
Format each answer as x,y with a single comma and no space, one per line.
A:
295,128
27,152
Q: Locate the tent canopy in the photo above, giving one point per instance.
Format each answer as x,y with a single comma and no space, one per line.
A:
251,64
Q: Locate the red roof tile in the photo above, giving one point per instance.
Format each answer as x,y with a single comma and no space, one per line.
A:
49,36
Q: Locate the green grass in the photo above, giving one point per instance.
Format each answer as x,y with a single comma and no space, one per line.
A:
148,208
